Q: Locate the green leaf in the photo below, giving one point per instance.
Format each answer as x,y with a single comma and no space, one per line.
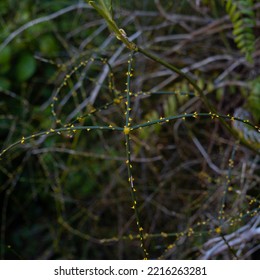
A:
232,10
103,7
48,45
25,67
5,55
228,5
107,4
238,24
235,17
5,83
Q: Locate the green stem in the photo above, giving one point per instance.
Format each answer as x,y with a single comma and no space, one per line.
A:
179,72
207,103
128,157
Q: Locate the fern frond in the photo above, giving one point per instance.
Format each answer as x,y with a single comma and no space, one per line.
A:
243,19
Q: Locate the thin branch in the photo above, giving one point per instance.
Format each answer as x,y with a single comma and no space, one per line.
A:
41,20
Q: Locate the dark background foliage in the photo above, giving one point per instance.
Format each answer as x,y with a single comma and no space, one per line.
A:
67,195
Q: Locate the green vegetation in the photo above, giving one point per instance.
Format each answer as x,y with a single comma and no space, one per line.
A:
129,130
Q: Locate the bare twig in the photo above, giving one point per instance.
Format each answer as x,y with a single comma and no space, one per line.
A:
243,235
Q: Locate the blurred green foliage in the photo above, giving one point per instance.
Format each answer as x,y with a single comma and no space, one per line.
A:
254,99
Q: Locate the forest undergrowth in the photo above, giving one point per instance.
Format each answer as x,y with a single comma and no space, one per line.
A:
130,130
